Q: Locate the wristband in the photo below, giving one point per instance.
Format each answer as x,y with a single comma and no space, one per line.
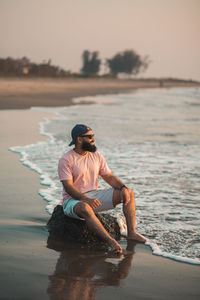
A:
123,186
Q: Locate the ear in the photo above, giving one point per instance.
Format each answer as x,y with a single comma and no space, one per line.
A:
78,140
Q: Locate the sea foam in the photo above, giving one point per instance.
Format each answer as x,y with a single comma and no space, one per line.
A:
151,142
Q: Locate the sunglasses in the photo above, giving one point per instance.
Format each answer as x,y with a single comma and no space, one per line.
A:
89,136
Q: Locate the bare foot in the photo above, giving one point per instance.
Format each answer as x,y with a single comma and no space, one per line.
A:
137,237
114,246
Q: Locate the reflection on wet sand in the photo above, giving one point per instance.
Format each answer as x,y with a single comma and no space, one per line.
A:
81,271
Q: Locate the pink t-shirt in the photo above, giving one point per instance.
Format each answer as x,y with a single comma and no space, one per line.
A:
84,170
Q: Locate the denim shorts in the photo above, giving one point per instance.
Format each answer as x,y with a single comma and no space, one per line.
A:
104,196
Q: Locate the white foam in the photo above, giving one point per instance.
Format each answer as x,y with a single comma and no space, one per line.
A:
44,177
157,251
161,168
42,130
122,225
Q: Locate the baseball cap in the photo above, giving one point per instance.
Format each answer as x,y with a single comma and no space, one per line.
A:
78,130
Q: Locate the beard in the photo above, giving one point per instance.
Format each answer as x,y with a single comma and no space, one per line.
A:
88,147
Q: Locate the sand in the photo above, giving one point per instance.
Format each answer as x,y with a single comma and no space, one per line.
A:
25,93
34,267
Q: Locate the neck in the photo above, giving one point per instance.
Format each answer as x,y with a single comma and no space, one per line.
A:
80,151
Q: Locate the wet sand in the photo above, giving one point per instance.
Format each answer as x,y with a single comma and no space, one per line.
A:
24,93
35,267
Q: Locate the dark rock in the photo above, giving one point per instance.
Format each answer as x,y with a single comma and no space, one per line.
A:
64,228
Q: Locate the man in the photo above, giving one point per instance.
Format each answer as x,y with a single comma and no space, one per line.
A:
79,170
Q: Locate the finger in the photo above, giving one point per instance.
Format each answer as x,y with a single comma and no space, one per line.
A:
126,200
94,205
97,202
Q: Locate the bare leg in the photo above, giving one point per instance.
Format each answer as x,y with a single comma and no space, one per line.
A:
129,213
83,210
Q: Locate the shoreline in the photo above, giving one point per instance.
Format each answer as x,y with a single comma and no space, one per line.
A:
37,268
16,93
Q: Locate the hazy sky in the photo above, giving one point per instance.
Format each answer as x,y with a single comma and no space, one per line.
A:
166,30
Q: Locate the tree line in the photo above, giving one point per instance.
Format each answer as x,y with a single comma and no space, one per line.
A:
24,67
127,62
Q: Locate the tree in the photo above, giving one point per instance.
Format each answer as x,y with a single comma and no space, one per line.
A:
128,62
24,67
91,63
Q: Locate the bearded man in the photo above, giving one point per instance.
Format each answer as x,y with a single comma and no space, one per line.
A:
79,171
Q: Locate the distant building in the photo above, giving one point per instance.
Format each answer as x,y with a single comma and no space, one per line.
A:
25,70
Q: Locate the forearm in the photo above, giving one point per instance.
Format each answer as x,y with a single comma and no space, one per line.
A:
74,192
114,181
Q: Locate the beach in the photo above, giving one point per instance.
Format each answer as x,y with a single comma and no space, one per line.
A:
34,267
18,93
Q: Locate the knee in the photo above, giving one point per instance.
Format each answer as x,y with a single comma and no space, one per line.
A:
84,209
132,195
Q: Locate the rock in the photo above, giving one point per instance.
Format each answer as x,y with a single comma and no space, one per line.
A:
64,228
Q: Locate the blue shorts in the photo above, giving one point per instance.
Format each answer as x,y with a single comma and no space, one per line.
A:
104,196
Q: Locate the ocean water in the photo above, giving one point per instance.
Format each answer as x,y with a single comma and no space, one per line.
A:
151,140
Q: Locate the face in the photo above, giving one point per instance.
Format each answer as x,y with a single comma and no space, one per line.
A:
88,142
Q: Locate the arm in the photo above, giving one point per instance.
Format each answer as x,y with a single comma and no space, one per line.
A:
112,180
116,183
76,194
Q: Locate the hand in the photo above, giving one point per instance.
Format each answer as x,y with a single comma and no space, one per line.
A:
93,202
125,196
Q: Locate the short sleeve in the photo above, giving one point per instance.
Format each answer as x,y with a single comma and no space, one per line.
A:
104,169
64,169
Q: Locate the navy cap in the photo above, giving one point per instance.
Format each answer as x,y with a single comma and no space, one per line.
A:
78,130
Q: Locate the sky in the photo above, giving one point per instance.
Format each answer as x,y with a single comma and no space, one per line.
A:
166,30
